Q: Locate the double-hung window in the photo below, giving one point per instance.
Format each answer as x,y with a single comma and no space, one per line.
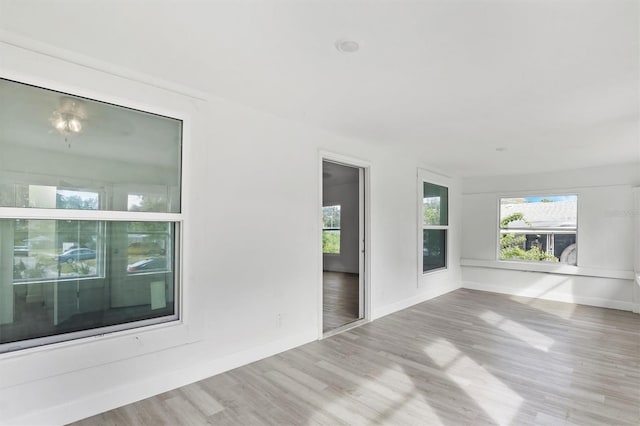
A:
434,218
331,229
90,217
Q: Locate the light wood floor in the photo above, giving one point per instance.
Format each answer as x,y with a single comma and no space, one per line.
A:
340,299
465,358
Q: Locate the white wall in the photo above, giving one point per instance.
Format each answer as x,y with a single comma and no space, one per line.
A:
606,249
433,283
347,196
239,272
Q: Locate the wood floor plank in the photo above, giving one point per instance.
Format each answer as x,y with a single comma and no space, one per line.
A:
202,400
465,358
183,410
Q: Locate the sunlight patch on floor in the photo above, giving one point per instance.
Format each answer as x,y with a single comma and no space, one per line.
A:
550,287
373,401
519,331
497,400
563,310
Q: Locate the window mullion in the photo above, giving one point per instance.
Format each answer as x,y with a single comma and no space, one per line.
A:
435,226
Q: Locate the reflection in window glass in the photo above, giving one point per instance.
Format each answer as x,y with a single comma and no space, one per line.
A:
82,148
54,250
67,268
47,197
435,202
434,249
331,229
78,200
147,246
60,282
146,203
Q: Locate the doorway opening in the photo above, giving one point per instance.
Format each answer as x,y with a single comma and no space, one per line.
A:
343,238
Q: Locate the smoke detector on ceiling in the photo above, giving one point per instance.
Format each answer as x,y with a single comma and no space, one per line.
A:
347,46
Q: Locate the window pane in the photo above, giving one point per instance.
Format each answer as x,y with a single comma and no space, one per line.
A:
148,245
435,201
434,249
331,241
331,217
69,152
70,276
45,250
148,202
331,229
539,228
79,200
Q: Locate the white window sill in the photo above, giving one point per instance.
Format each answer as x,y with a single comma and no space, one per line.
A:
547,267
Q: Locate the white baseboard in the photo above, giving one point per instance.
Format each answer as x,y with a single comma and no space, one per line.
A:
555,296
132,392
407,303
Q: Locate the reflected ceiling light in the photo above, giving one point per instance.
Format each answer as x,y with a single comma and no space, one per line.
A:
347,46
66,124
68,118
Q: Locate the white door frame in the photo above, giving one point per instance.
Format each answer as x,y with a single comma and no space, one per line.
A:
365,228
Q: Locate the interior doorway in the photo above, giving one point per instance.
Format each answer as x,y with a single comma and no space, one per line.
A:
343,237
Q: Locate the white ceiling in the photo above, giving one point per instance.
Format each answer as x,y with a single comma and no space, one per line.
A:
555,82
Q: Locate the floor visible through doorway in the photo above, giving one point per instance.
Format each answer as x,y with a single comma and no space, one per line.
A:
340,302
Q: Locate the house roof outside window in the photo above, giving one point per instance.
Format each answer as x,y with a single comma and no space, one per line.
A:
542,214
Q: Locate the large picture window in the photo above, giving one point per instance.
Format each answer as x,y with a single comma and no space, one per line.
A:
90,217
435,225
539,229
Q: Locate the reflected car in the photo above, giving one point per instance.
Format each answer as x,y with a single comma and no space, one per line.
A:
151,264
77,254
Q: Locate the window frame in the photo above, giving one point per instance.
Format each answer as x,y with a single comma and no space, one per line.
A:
106,216
339,229
439,180
499,198
177,219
